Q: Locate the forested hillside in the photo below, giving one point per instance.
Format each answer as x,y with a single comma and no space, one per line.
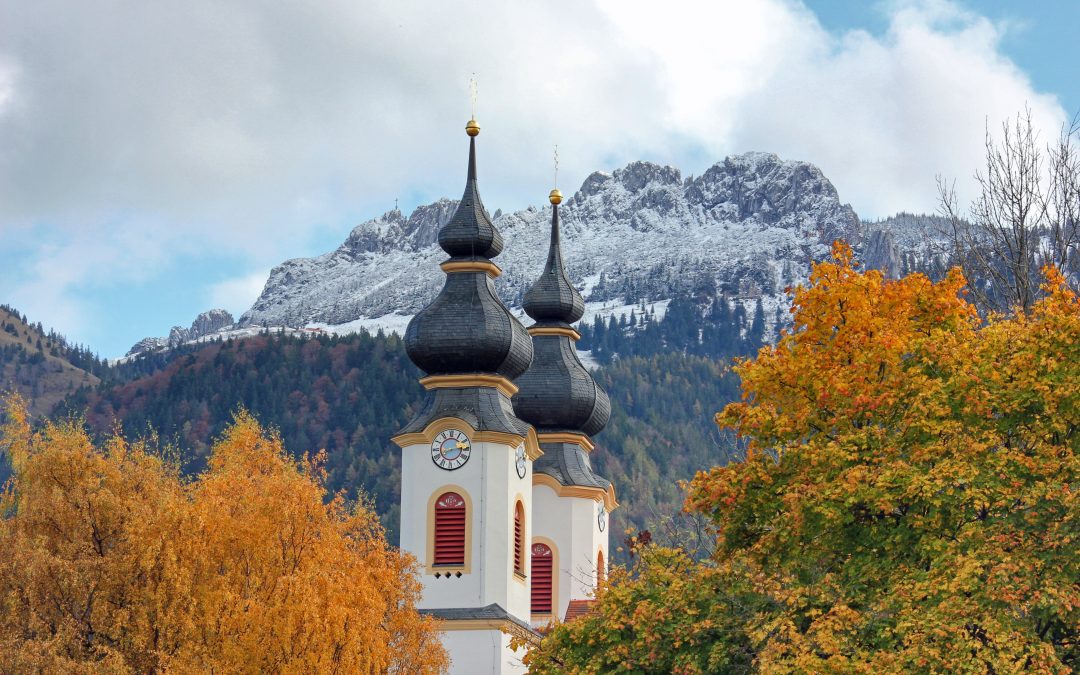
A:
40,365
349,395
346,395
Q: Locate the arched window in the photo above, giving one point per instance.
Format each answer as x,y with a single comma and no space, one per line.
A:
601,571
542,568
449,530
519,539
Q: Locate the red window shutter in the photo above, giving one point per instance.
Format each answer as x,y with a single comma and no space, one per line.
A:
450,529
600,569
542,564
519,534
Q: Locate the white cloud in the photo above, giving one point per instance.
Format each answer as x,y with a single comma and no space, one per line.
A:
7,86
237,294
146,131
880,115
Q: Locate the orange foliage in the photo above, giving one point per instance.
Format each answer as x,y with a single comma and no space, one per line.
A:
113,563
909,502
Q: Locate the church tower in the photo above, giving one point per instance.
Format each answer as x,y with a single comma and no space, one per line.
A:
560,398
466,458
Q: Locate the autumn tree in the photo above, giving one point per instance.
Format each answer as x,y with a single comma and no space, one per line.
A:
115,564
908,502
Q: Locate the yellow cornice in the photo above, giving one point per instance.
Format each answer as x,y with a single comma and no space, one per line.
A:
489,267
461,381
567,437
532,445
501,625
584,492
425,437
555,330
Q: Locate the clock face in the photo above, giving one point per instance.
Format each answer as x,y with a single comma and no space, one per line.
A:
450,449
520,461
601,517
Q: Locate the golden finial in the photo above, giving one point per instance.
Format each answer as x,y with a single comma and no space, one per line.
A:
472,128
556,197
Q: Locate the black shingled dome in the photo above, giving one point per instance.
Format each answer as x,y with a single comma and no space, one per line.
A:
470,233
557,393
467,329
553,299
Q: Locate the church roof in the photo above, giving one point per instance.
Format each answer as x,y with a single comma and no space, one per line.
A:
552,298
579,608
494,611
557,392
569,464
467,329
484,409
470,232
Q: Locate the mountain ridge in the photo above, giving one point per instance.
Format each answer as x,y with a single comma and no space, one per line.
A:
748,227
623,226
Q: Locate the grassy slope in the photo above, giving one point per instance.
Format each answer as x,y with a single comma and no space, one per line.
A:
39,374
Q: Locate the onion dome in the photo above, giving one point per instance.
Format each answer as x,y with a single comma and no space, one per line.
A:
467,329
553,299
558,393
470,233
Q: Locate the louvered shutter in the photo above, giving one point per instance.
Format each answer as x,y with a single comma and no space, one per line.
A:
450,530
542,564
519,537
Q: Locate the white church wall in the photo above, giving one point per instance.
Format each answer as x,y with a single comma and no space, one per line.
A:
571,523
491,486
474,651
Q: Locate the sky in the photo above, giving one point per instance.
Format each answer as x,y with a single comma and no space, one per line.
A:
157,159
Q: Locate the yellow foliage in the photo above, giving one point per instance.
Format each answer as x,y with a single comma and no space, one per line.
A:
113,563
924,513
908,502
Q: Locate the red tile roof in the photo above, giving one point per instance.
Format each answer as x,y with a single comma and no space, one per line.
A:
579,608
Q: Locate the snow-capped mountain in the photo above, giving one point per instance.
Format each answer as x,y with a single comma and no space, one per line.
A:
207,323
751,223
748,227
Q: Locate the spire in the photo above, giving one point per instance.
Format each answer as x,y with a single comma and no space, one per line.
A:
470,234
466,328
553,299
557,393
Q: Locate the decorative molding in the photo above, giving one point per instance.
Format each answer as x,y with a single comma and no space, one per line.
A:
555,330
448,570
490,268
462,381
567,437
532,446
425,437
502,625
581,491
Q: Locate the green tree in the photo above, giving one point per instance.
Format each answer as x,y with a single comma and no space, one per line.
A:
908,502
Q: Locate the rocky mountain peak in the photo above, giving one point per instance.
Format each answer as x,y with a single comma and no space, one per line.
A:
206,323
751,221
210,322
636,176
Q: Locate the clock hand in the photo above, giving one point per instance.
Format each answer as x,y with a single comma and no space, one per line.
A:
462,446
